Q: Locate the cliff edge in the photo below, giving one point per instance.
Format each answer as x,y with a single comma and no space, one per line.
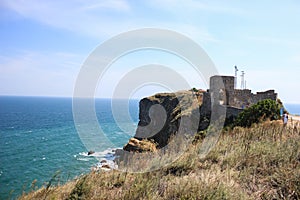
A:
187,112
165,114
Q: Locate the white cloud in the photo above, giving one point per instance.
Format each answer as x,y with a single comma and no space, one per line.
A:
118,5
275,40
197,33
258,30
192,6
33,73
103,19
90,18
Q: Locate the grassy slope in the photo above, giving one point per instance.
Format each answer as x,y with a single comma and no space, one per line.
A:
247,163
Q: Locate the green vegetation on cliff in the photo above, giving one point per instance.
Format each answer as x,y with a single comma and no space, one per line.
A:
265,109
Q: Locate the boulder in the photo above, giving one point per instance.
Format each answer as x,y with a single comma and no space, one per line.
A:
105,166
137,145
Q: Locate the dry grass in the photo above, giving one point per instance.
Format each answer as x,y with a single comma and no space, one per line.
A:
246,163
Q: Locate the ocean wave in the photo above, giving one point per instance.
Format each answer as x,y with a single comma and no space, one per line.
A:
108,154
83,153
105,165
30,131
105,158
83,159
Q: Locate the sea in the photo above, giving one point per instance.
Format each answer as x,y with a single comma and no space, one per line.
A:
40,144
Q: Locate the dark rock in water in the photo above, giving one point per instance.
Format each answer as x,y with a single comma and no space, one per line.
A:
91,152
103,161
106,166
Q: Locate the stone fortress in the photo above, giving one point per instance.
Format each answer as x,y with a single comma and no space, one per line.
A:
222,92
222,89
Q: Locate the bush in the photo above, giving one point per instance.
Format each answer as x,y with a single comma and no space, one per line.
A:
265,109
80,190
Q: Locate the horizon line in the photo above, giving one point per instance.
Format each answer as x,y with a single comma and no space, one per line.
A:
53,96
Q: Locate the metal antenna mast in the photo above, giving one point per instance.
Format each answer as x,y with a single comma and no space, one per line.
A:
243,80
235,76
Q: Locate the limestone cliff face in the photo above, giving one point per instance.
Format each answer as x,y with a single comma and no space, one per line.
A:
166,114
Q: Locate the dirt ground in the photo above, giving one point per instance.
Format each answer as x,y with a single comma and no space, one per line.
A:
294,120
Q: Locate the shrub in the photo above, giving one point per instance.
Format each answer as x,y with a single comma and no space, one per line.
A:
265,109
80,190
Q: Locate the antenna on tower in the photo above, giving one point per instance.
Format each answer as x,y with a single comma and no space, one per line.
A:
243,80
235,76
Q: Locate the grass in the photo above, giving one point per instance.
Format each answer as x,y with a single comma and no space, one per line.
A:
246,163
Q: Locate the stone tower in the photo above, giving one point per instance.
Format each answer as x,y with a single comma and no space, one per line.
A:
222,89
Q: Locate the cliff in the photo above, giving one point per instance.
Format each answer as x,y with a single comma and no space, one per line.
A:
188,112
165,114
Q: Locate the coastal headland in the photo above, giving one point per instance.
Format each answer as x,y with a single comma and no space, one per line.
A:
259,161
220,101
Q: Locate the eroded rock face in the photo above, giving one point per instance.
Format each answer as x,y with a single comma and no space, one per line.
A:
187,112
156,118
163,115
140,145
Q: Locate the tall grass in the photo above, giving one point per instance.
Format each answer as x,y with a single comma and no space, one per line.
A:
260,162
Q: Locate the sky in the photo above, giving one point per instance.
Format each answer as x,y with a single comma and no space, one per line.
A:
44,44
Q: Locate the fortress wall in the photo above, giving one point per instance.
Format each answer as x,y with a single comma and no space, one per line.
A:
242,98
222,91
270,94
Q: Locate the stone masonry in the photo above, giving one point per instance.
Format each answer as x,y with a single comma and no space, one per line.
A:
222,92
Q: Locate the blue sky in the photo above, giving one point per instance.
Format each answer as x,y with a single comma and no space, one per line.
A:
43,44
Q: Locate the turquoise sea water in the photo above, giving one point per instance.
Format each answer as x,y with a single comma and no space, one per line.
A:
38,138
293,108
